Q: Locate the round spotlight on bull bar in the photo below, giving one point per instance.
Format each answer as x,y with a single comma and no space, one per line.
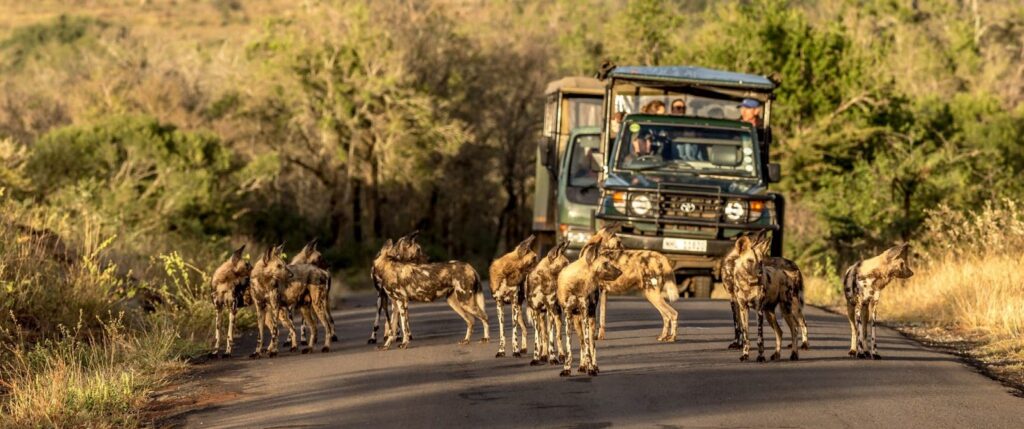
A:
735,210
641,205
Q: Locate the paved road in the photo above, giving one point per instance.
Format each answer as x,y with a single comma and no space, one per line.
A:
695,382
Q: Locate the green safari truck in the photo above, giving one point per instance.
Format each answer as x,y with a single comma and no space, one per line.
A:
688,182
571,103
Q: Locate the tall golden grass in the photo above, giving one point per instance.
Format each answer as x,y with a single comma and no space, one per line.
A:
968,279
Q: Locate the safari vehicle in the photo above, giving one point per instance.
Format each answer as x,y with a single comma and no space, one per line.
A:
572,103
688,185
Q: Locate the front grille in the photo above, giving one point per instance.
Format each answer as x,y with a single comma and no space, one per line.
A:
686,207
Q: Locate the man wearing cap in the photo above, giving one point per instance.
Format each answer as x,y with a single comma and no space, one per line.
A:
750,112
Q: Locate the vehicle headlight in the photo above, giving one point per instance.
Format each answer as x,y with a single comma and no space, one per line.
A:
756,209
641,205
579,237
735,210
619,201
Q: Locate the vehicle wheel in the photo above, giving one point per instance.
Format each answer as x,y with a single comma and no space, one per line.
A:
700,287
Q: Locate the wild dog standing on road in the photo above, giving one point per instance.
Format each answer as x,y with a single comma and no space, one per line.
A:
508,273
644,270
289,287
260,292
406,249
542,305
310,255
862,285
761,284
726,267
230,291
409,281
578,286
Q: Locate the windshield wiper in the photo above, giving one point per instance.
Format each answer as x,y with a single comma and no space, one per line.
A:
648,167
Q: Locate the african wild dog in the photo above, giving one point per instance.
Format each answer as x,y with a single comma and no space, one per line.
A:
259,291
290,287
725,267
862,285
230,291
578,286
762,283
405,281
542,306
508,273
405,249
645,270
310,255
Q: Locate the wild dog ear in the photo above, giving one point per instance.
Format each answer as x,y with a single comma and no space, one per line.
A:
413,235
589,253
312,243
524,247
237,254
763,243
743,244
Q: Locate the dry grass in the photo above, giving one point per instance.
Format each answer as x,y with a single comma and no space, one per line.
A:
967,285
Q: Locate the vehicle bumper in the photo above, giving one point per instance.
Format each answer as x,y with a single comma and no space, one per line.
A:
681,259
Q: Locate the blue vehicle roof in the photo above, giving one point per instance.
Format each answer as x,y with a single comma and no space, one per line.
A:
695,75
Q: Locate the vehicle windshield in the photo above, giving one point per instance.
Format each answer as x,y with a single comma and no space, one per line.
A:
580,174
695,149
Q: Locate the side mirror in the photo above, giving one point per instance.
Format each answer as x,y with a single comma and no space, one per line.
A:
546,151
774,172
596,162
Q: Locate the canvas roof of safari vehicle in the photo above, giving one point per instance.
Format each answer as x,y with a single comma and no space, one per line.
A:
576,84
685,120
693,75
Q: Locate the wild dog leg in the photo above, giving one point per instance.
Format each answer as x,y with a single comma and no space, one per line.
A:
774,323
654,297
590,329
232,310
579,325
321,308
501,329
518,322
307,319
567,367
538,327
851,314
259,330
603,301
392,330
284,318
453,302
794,332
404,318
874,343
864,315
744,328
559,355
736,342
475,308
216,331
376,322
760,333
798,316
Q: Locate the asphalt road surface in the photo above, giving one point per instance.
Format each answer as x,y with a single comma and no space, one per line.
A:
695,382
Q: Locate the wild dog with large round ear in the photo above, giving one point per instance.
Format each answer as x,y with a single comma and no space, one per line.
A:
230,283
862,286
578,285
405,281
507,275
542,306
762,283
644,270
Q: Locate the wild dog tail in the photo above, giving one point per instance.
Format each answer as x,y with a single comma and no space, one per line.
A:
799,286
478,292
850,279
668,279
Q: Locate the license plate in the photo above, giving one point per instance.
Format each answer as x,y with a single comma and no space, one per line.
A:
685,244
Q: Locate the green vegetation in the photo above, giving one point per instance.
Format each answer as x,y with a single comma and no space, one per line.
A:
131,131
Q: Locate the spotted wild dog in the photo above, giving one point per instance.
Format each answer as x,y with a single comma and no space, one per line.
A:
507,275
259,293
542,306
862,285
645,270
405,281
312,256
578,289
290,287
726,267
405,249
762,283
230,292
